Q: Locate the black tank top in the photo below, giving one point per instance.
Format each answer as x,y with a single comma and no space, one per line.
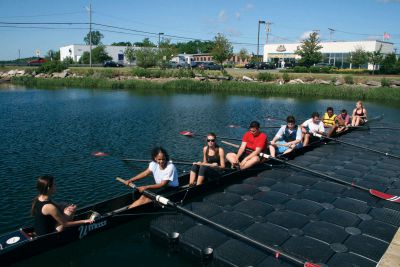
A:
360,114
214,158
44,224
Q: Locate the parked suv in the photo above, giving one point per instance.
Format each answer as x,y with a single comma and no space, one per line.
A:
112,64
264,65
250,65
209,66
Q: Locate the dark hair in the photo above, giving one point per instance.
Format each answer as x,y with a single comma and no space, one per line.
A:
155,151
315,114
290,119
344,111
44,184
215,137
329,109
254,124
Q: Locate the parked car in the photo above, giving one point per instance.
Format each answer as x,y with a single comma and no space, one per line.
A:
177,65
112,64
37,62
250,65
209,65
264,65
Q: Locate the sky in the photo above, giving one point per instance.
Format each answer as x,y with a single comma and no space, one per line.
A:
185,20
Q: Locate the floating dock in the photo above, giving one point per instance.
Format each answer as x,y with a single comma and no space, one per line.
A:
304,215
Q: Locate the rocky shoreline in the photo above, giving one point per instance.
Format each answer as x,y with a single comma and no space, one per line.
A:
8,75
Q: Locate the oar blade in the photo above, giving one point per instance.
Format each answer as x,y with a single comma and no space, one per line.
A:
384,196
234,126
186,133
99,154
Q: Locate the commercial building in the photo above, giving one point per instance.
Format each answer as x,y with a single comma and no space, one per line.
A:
76,51
334,53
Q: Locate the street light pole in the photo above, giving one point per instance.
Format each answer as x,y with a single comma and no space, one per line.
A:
258,37
90,34
159,38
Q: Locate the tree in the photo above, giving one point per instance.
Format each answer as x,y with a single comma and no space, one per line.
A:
146,57
130,54
99,55
375,58
121,44
222,50
166,52
359,57
96,38
389,64
243,54
309,50
53,55
145,43
195,47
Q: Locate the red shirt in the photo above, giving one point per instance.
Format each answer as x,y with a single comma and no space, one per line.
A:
253,142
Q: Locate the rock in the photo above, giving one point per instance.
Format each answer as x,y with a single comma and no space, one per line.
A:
373,83
338,82
20,72
226,78
318,81
40,75
199,78
12,73
296,81
395,82
198,75
246,78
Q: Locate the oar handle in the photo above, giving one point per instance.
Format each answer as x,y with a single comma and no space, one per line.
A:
124,182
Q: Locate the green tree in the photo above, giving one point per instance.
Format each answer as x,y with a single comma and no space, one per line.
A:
145,43
359,57
375,58
222,50
243,54
166,52
130,54
96,38
146,57
309,50
195,47
121,44
99,55
388,65
53,55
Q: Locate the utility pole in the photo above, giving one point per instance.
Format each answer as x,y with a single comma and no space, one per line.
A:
330,40
258,37
19,55
90,34
159,38
268,30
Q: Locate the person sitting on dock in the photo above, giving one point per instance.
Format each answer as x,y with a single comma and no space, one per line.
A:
329,120
49,217
254,141
213,161
311,126
359,114
287,138
164,173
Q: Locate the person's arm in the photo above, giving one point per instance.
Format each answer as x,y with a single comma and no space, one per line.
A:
153,186
50,209
365,113
278,135
222,157
321,128
354,112
141,175
204,154
242,148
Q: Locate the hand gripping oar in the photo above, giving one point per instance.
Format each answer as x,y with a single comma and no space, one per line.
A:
191,134
276,252
373,192
359,146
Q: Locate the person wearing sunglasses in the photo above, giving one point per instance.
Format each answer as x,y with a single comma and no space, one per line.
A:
311,126
287,138
212,164
253,143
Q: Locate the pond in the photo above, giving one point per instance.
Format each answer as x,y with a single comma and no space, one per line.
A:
56,131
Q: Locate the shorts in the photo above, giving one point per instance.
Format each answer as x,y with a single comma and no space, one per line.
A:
282,149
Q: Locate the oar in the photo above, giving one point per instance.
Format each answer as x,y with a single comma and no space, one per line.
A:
373,192
368,127
359,146
276,252
173,162
191,134
262,127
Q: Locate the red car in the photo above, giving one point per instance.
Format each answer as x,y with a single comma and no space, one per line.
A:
37,62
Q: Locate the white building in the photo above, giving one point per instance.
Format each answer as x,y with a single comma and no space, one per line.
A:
76,51
335,53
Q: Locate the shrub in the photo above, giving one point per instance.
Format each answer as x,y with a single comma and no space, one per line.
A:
385,82
315,69
52,66
300,69
265,76
140,72
286,77
348,79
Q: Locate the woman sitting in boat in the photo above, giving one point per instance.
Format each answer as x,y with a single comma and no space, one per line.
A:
359,114
164,173
311,126
287,138
49,217
212,164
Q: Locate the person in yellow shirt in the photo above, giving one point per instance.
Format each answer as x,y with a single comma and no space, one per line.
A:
329,120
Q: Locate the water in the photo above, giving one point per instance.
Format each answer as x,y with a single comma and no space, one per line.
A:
55,132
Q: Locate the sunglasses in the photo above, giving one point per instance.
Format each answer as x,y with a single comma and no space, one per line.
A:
210,140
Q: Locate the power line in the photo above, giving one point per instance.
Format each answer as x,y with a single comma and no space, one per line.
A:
43,15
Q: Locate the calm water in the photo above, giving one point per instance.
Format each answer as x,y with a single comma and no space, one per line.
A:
55,132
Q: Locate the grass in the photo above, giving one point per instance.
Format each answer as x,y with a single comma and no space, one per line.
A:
189,85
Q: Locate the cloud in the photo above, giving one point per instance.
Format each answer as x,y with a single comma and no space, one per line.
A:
237,15
249,6
222,17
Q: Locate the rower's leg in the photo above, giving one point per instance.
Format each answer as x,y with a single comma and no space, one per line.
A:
332,130
306,139
141,201
231,157
254,160
193,173
200,180
272,150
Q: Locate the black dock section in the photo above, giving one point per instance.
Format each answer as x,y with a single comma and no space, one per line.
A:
304,215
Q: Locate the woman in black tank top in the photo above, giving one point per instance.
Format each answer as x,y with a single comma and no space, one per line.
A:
212,164
359,114
48,216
